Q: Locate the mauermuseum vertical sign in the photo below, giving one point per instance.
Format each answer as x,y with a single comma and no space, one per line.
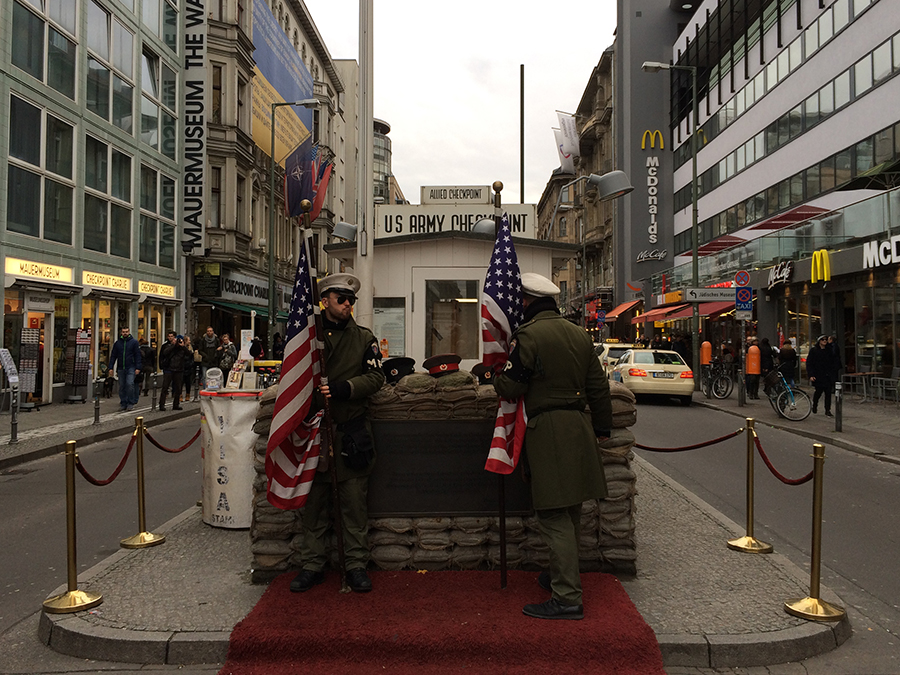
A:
195,106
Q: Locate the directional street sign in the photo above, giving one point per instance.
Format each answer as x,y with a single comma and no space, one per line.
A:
708,294
743,299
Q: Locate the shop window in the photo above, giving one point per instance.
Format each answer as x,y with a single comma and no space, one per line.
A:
43,46
40,190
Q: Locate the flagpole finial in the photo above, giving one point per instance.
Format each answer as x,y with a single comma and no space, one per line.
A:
306,205
497,186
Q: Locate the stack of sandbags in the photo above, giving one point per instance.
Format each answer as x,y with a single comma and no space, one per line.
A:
607,526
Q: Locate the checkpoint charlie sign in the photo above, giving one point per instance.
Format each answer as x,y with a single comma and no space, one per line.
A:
398,220
456,194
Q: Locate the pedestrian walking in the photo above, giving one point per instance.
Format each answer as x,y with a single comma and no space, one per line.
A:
551,364
190,367
172,358
821,369
125,360
148,364
353,365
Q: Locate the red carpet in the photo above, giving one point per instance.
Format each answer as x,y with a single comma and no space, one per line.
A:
440,622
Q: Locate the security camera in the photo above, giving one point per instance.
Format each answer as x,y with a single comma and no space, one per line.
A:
187,247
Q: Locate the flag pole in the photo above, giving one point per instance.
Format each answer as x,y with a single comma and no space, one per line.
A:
306,205
501,483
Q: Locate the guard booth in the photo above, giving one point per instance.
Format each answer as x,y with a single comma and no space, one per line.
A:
428,281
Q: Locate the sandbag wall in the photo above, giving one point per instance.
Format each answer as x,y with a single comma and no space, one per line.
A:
607,526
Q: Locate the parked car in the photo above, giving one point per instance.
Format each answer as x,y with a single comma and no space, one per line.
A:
609,353
655,371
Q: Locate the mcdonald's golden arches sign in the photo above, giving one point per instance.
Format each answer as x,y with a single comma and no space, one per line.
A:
652,135
821,266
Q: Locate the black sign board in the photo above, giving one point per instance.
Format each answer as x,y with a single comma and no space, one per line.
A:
207,280
436,468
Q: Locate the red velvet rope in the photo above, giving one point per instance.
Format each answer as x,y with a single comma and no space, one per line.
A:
90,479
164,448
786,481
691,447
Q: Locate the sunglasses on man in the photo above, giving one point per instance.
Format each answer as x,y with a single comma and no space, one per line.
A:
341,299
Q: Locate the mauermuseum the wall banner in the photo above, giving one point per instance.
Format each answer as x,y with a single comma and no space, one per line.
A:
193,202
398,220
280,76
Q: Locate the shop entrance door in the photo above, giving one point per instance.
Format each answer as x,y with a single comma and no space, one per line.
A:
36,354
446,314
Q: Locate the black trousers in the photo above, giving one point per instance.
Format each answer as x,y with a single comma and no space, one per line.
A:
824,389
173,380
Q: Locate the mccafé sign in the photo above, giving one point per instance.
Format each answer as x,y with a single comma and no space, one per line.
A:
652,185
877,253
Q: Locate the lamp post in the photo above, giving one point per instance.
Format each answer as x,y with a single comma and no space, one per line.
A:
655,67
611,185
270,241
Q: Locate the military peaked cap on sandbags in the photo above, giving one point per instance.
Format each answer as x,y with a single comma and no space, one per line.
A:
441,364
484,374
397,367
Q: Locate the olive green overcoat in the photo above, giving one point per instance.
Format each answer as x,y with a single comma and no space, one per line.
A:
351,355
557,373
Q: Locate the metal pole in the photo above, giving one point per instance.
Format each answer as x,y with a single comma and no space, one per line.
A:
270,241
97,401
522,133
695,268
813,607
15,397
142,539
73,600
748,543
838,406
501,483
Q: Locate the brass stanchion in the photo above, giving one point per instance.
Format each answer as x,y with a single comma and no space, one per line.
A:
813,607
72,600
748,543
142,539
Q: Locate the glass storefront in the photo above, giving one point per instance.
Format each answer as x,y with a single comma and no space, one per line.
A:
452,318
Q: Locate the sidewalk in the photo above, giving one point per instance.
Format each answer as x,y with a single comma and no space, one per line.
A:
710,607
868,428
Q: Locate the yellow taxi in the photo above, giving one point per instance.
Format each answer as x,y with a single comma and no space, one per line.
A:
609,352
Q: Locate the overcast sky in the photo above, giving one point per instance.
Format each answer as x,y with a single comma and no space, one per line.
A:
447,81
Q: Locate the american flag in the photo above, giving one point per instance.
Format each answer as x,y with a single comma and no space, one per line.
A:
306,176
292,452
501,314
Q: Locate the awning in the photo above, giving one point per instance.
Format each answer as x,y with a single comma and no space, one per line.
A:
29,284
791,217
720,244
621,309
658,314
705,309
96,293
235,307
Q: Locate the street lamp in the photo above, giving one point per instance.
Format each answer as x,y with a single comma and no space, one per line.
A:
655,67
270,242
611,185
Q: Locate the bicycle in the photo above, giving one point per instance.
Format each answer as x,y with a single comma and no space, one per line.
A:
789,402
716,379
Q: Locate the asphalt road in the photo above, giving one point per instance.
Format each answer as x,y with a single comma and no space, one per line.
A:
861,511
33,504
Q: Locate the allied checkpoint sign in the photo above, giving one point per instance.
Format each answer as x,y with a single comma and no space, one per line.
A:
398,220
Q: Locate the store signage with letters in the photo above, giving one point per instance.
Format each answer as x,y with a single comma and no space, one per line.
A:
821,266
243,288
877,253
655,254
36,270
38,302
781,273
151,288
105,281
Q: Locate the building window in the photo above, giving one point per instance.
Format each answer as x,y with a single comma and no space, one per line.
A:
157,230
40,190
107,199
215,197
160,88
110,69
242,109
161,17
216,117
43,46
562,227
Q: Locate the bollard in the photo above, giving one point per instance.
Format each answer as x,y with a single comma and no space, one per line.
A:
142,539
14,416
153,384
742,388
748,543
838,406
72,600
813,607
97,385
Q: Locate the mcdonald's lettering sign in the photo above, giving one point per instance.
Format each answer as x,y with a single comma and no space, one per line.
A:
652,135
821,266
877,253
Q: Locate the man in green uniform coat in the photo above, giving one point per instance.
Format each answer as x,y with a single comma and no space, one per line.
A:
552,364
353,366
